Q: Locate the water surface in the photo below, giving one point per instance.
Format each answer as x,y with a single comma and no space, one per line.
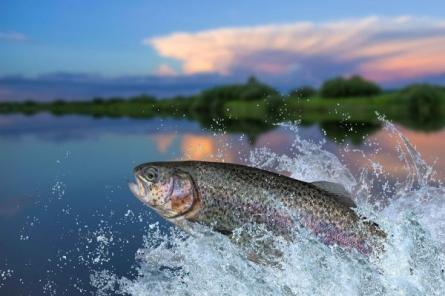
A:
69,225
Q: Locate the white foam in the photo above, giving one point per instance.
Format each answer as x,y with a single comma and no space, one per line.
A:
412,263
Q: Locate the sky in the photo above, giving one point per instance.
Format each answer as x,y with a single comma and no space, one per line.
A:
288,41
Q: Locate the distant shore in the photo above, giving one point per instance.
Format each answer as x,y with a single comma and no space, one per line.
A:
257,106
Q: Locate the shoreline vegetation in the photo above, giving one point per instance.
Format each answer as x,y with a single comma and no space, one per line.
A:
345,108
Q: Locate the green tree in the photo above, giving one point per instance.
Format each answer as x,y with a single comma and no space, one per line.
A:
425,106
303,92
355,86
143,99
213,99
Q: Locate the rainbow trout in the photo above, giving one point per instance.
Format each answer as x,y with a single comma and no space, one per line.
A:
226,196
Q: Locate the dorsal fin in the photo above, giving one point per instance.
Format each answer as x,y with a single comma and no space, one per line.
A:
338,190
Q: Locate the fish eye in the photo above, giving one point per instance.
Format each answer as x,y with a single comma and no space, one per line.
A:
151,174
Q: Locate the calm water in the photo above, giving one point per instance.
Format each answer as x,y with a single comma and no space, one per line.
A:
69,225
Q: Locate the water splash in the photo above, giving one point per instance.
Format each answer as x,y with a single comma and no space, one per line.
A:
4,275
412,214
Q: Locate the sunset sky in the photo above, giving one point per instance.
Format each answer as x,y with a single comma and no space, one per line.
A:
388,41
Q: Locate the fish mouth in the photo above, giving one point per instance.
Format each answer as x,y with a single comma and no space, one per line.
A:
138,188
165,197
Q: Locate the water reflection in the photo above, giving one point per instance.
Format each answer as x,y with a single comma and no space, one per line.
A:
429,145
346,131
164,141
92,159
198,147
12,205
66,128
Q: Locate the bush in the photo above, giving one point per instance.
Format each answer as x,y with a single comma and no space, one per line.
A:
255,90
275,106
98,100
345,88
214,99
424,103
29,103
115,100
59,102
143,99
303,92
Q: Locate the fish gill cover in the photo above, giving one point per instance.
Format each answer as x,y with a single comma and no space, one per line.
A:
411,211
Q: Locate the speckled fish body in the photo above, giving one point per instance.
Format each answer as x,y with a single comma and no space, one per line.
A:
226,196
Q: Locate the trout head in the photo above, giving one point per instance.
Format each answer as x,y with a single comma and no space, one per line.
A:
168,190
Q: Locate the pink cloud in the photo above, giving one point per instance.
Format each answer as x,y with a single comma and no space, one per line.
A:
165,70
381,48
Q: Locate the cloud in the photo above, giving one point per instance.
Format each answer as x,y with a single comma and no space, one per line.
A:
381,48
165,70
12,37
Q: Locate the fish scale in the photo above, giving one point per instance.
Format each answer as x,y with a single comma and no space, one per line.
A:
230,195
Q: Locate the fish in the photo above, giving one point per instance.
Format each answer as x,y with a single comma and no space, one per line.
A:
226,196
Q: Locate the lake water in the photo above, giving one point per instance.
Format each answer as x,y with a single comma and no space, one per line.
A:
70,226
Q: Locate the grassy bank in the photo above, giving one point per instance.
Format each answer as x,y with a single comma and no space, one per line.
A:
253,107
